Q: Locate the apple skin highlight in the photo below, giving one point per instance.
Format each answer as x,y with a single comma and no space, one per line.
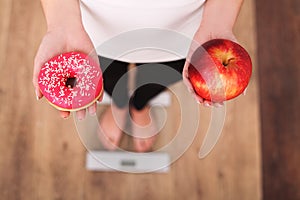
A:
220,70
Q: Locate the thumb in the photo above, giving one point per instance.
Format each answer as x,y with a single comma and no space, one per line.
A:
36,70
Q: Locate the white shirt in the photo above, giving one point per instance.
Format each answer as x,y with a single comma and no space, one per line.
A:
142,30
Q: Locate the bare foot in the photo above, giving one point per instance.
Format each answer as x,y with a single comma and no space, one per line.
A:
144,129
112,122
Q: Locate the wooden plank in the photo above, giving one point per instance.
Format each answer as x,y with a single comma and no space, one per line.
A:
41,156
37,160
278,37
16,151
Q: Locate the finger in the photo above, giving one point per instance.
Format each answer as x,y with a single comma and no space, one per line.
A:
186,80
38,93
81,114
64,114
185,77
101,97
198,99
92,109
207,103
218,105
188,84
213,104
245,91
192,91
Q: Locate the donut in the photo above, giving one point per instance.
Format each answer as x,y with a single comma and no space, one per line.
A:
71,81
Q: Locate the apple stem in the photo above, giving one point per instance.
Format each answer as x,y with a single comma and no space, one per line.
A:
226,62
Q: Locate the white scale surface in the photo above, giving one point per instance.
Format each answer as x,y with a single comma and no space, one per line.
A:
126,161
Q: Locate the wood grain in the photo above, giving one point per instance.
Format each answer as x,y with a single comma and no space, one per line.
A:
42,157
278,30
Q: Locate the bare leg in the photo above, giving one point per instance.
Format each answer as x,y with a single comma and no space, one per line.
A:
112,122
143,128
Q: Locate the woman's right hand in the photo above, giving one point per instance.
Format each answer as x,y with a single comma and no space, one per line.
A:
58,40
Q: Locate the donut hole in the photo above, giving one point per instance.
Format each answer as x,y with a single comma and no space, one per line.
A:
71,82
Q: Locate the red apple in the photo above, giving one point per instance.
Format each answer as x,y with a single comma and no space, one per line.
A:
219,70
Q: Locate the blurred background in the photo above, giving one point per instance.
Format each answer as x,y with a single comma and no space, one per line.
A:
257,156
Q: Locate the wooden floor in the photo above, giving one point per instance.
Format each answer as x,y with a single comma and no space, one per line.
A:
278,58
42,157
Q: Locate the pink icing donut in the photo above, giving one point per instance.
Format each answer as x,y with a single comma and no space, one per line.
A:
71,81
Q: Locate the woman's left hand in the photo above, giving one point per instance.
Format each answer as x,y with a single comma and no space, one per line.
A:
202,36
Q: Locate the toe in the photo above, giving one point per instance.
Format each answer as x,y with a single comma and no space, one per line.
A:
109,132
109,143
143,145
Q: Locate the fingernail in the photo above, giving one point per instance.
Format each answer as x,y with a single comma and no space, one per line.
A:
37,95
245,91
206,104
80,118
199,101
92,113
218,105
92,110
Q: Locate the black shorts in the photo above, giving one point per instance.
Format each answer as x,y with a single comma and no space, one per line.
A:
151,79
